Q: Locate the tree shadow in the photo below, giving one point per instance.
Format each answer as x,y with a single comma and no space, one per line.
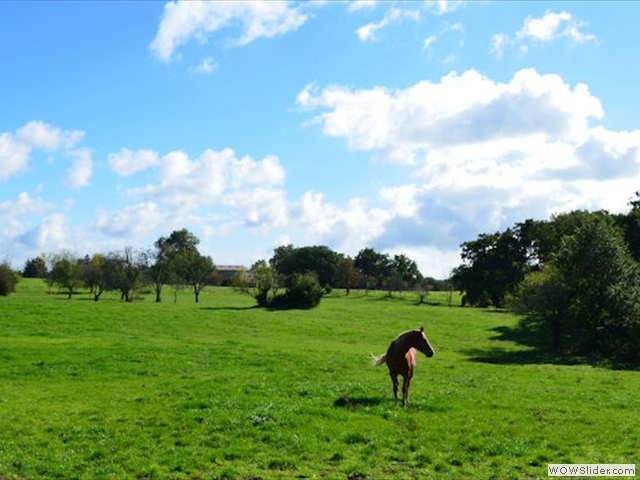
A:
347,401
230,309
530,333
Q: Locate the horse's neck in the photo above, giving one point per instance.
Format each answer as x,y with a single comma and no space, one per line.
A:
403,343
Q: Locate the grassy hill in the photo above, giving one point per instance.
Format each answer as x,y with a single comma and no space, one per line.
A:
225,390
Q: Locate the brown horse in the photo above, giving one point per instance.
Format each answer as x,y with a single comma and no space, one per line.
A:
401,359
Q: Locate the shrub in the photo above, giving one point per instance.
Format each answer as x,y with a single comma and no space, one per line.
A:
303,291
8,280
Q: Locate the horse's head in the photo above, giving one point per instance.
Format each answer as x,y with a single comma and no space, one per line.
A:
421,343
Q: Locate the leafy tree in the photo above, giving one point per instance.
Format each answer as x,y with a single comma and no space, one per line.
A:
602,282
320,260
542,295
161,270
172,260
346,275
265,283
630,225
493,266
373,265
408,270
35,268
95,273
65,272
198,270
125,269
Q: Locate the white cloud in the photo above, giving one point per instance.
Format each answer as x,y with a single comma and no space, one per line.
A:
22,205
184,20
14,155
16,149
50,235
208,65
362,4
484,154
219,179
546,29
36,134
552,26
128,162
80,173
403,125
442,7
393,15
347,229
131,221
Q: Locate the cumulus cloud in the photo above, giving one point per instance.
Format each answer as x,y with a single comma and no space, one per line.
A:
40,135
131,221
250,188
484,154
127,162
459,110
183,20
550,27
16,148
51,234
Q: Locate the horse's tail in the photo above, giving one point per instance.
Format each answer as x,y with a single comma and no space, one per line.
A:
377,361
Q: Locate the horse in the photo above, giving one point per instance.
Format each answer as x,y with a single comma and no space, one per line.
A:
401,358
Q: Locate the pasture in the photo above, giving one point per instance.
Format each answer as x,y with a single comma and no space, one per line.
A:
224,390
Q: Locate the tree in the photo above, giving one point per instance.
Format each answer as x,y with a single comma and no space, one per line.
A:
372,264
265,283
198,270
602,282
180,247
65,272
346,275
320,260
408,270
126,268
494,265
542,295
161,271
95,273
35,268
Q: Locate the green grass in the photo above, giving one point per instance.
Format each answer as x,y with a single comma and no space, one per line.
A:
225,390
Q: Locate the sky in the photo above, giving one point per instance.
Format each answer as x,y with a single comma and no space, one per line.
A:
407,127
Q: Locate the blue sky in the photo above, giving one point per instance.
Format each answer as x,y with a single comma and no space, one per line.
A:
408,127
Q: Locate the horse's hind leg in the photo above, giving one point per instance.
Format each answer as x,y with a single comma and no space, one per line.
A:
394,379
405,389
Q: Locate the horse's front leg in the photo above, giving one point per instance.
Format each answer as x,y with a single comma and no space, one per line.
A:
394,380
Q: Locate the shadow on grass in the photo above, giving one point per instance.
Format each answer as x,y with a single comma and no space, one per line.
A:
529,333
218,309
347,401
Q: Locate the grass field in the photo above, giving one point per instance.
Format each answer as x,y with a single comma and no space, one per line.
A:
225,390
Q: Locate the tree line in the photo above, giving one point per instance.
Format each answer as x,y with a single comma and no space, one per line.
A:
293,276
576,275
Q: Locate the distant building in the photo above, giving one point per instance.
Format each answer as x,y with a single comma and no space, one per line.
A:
225,273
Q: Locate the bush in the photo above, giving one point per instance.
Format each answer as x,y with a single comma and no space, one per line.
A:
8,280
303,291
